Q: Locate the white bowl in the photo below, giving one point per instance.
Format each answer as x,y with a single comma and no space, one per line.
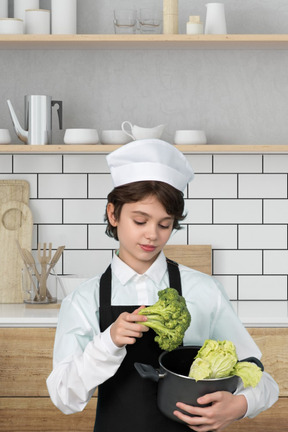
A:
5,137
81,136
190,137
114,137
11,26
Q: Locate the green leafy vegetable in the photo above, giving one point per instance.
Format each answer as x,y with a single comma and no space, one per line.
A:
169,318
218,359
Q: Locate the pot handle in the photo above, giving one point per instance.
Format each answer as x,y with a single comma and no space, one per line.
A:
254,360
148,371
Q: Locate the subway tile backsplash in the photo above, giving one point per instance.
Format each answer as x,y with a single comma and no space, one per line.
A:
236,203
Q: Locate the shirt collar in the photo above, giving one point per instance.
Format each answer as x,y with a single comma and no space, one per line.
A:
125,273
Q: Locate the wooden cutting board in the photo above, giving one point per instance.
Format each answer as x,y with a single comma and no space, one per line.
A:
14,190
15,224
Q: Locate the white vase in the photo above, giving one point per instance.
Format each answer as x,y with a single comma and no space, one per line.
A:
215,19
64,16
3,8
21,5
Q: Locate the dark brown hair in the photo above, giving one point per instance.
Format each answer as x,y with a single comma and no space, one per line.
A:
171,199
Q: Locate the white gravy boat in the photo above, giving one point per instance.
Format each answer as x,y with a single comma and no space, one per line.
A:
138,133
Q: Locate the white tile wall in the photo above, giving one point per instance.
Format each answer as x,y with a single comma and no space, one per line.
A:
213,186
5,163
262,237
239,211
239,163
236,203
262,186
220,236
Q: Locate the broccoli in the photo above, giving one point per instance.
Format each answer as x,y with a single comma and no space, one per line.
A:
169,318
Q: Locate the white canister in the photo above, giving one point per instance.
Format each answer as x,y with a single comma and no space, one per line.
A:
21,5
3,8
37,21
11,26
194,25
64,16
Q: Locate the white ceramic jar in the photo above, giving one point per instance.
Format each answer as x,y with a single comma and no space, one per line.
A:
21,5
3,8
194,25
64,16
37,21
11,26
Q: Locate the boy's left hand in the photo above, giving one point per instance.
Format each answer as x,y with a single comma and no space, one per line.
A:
225,409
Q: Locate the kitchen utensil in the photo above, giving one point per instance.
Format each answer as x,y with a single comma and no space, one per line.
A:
114,137
190,137
11,26
55,259
174,384
5,137
29,259
44,260
138,133
215,19
81,136
37,21
38,119
15,224
28,271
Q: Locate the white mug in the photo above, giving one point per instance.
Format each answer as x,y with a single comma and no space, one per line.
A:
11,26
138,133
114,137
190,137
37,21
5,137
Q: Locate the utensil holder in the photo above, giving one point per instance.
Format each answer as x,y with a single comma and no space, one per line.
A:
31,288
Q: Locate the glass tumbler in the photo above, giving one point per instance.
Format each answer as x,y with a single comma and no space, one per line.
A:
125,21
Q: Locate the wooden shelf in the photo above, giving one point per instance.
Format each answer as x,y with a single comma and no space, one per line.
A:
139,41
105,149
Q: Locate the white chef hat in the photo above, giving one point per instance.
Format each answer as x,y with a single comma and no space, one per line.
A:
149,159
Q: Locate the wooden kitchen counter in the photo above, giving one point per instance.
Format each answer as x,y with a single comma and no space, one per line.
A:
26,361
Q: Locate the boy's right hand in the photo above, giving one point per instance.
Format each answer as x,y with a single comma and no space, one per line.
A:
126,329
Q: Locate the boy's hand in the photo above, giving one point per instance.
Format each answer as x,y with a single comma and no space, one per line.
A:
225,409
126,329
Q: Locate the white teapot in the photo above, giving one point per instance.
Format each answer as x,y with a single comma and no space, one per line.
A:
138,133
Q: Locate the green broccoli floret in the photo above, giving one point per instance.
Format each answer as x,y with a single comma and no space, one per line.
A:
169,318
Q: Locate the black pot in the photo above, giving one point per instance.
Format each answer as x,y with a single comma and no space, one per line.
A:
174,384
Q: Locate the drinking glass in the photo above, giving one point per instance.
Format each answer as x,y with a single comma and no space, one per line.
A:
150,21
125,21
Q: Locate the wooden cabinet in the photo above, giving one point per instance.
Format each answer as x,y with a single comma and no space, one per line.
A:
26,361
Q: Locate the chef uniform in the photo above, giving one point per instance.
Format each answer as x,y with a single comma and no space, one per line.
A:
85,356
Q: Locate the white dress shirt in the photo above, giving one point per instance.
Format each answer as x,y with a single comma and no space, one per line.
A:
84,357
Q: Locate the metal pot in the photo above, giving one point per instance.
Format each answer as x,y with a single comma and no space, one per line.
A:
176,386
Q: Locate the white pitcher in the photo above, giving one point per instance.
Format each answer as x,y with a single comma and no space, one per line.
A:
138,133
215,19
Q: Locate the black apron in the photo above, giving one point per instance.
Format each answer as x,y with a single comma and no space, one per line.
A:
126,401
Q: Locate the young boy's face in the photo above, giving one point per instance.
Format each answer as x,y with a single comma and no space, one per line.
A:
143,229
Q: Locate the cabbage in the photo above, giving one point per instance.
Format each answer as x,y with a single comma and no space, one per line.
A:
250,373
218,359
